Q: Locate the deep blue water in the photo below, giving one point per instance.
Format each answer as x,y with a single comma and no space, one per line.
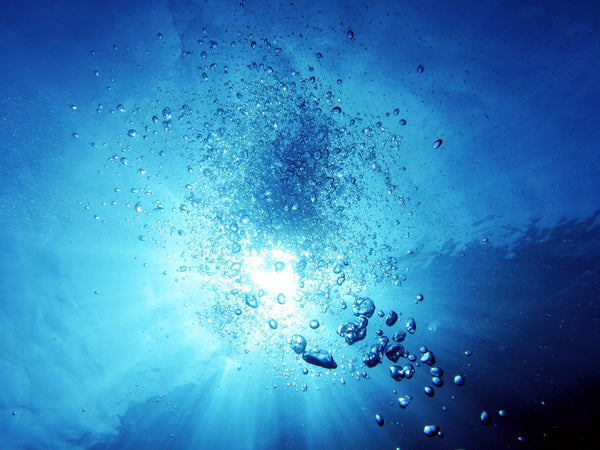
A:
169,168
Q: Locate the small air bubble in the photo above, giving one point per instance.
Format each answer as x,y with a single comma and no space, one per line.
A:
459,380
485,418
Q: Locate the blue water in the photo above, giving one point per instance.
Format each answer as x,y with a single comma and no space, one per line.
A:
185,185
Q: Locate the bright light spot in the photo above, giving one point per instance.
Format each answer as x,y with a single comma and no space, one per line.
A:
273,272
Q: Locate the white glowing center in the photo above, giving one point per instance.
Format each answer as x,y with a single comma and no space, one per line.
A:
273,272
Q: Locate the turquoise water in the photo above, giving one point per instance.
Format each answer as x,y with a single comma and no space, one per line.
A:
299,225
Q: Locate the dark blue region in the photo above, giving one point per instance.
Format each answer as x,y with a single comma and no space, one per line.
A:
534,316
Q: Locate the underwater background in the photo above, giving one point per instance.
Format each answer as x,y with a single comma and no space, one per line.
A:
299,224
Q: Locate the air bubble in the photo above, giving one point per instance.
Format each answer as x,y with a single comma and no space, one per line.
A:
485,418
436,372
411,326
404,401
459,380
251,300
431,430
298,344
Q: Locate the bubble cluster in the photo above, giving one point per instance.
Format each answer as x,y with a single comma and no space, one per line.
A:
257,181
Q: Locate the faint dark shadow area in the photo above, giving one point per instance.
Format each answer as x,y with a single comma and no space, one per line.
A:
568,239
